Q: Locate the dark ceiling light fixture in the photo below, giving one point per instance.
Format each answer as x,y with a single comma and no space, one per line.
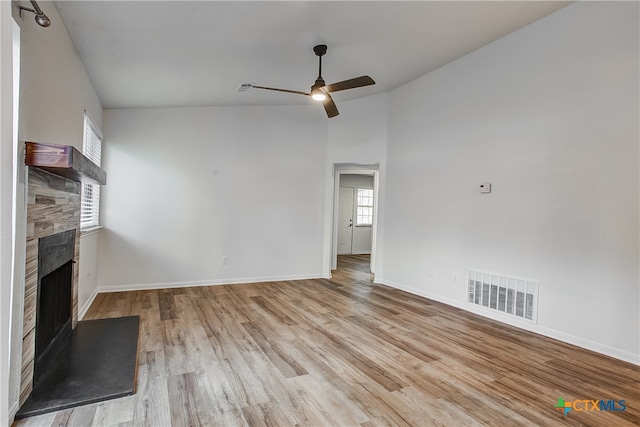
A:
41,19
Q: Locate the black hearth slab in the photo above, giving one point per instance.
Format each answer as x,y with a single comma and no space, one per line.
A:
99,364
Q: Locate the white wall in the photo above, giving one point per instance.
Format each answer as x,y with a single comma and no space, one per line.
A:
6,201
153,150
188,186
358,136
89,264
54,92
549,116
359,133
361,241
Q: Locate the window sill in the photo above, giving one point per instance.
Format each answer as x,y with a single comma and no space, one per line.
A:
89,231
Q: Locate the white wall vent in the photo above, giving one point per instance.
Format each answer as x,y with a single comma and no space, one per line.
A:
511,295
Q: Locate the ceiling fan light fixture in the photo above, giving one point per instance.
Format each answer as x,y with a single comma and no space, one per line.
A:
318,95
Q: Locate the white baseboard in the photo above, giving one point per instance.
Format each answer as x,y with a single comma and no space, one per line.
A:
87,305
12,413
531,327
215,282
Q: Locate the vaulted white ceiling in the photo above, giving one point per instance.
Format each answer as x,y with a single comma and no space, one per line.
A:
196,53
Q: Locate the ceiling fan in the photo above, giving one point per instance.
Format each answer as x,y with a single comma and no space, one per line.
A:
320,91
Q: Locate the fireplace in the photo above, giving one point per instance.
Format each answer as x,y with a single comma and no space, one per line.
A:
54,186
53,239
54,297
50,316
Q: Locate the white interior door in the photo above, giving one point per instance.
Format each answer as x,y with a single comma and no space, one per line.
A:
345,220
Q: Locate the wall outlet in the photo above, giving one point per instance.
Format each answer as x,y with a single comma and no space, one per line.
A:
225,260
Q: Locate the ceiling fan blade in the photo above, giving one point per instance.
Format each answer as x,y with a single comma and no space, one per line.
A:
350,84
281,90
330,107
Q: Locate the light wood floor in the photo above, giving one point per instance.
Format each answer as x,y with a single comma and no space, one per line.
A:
343,352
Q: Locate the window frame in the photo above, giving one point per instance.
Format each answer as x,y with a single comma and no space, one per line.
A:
368,206
90,195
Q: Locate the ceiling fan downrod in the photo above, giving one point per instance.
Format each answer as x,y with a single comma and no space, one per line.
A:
320,50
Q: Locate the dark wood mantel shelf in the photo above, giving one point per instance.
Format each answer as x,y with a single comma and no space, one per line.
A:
64,160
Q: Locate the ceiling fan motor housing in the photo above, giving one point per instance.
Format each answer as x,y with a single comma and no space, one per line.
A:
319,83
320,49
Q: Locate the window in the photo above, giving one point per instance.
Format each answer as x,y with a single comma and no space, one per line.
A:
364,207
90,204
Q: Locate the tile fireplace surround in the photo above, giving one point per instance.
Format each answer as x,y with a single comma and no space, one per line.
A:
53,206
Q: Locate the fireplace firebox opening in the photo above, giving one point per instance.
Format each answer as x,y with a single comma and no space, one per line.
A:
53,310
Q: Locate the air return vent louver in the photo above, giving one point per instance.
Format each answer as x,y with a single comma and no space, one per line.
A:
511,295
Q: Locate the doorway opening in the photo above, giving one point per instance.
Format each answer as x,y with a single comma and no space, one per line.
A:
353,269
355,212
